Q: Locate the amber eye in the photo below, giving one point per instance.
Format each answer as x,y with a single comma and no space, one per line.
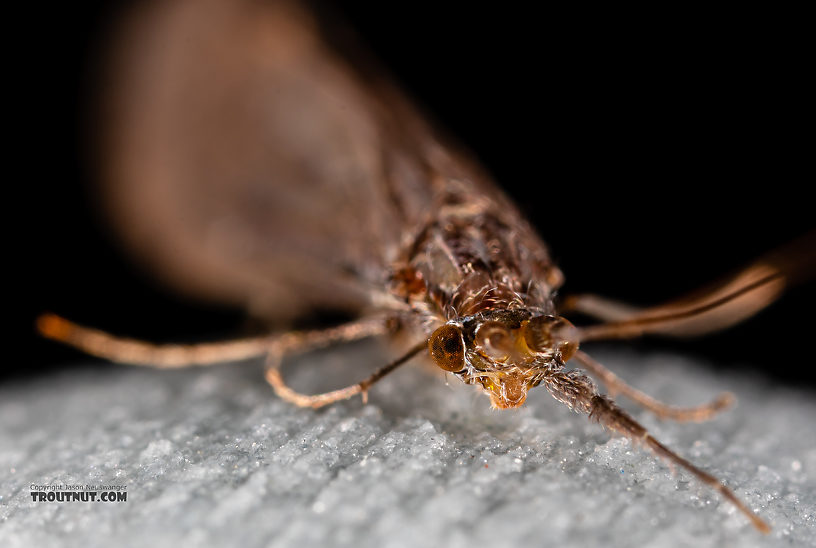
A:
447,348
544,333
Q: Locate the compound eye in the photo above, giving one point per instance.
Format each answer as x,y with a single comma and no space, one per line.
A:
447,348
551,333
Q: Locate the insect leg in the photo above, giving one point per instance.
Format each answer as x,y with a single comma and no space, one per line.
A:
741,298
135,352
716,307
598,307
577,392
171,356
274,378
615,385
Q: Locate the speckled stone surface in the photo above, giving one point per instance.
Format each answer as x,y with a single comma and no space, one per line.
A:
211,457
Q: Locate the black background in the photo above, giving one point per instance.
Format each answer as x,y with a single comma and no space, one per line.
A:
654,152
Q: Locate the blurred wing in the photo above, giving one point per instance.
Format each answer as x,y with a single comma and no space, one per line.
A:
245,162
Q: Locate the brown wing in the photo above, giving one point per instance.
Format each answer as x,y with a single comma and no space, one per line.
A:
246,163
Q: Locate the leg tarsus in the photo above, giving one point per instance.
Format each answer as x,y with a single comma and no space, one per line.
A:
135,352
284,392
315,401
616,385
170,356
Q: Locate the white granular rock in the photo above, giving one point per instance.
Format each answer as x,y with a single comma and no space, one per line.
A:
211,457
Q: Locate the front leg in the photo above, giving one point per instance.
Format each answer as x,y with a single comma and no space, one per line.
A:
315,401
616,385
